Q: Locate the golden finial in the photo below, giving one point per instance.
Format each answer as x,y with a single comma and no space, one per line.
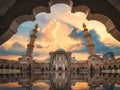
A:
84,25
36,26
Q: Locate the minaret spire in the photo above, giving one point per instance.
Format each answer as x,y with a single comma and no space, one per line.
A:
90,45
33,37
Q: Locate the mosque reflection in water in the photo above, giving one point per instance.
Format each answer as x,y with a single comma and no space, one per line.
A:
62,80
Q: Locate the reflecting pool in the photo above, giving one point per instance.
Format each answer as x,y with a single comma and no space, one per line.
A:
59,80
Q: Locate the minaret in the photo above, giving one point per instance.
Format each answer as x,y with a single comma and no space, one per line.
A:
33,37
90,45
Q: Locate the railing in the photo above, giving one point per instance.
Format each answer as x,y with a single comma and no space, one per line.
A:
111,71
9,71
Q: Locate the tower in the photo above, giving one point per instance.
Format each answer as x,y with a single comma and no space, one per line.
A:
30,46
89,43
27,59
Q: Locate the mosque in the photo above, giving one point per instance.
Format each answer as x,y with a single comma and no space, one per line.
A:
61,60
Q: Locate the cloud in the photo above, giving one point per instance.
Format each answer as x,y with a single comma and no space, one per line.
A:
17,46
39,46
79,35
100,47
15,49
10,57
42,19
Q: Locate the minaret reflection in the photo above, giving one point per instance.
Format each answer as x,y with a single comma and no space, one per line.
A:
60,81
109,86
28,87
26,81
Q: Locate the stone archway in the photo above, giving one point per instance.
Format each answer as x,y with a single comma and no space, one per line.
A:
82,8
19,20
1,66
13,27
28,68
60,61
99,17
110,27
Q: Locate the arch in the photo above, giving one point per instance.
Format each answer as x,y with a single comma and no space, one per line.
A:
28,69
1,66
5,6
13,27
82,8
42,69
17,67
115,3
110,27
110,68
21,68
92,69
77,69
19,20
115,67
12,67
60,64
39,9
110,6
100,69
103,68
7,67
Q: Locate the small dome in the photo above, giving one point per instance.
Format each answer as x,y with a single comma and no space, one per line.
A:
73,58
60,49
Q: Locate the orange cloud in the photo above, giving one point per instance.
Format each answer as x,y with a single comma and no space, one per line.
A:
10,57
80,56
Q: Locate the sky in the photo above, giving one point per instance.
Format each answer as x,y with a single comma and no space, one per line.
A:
60,29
